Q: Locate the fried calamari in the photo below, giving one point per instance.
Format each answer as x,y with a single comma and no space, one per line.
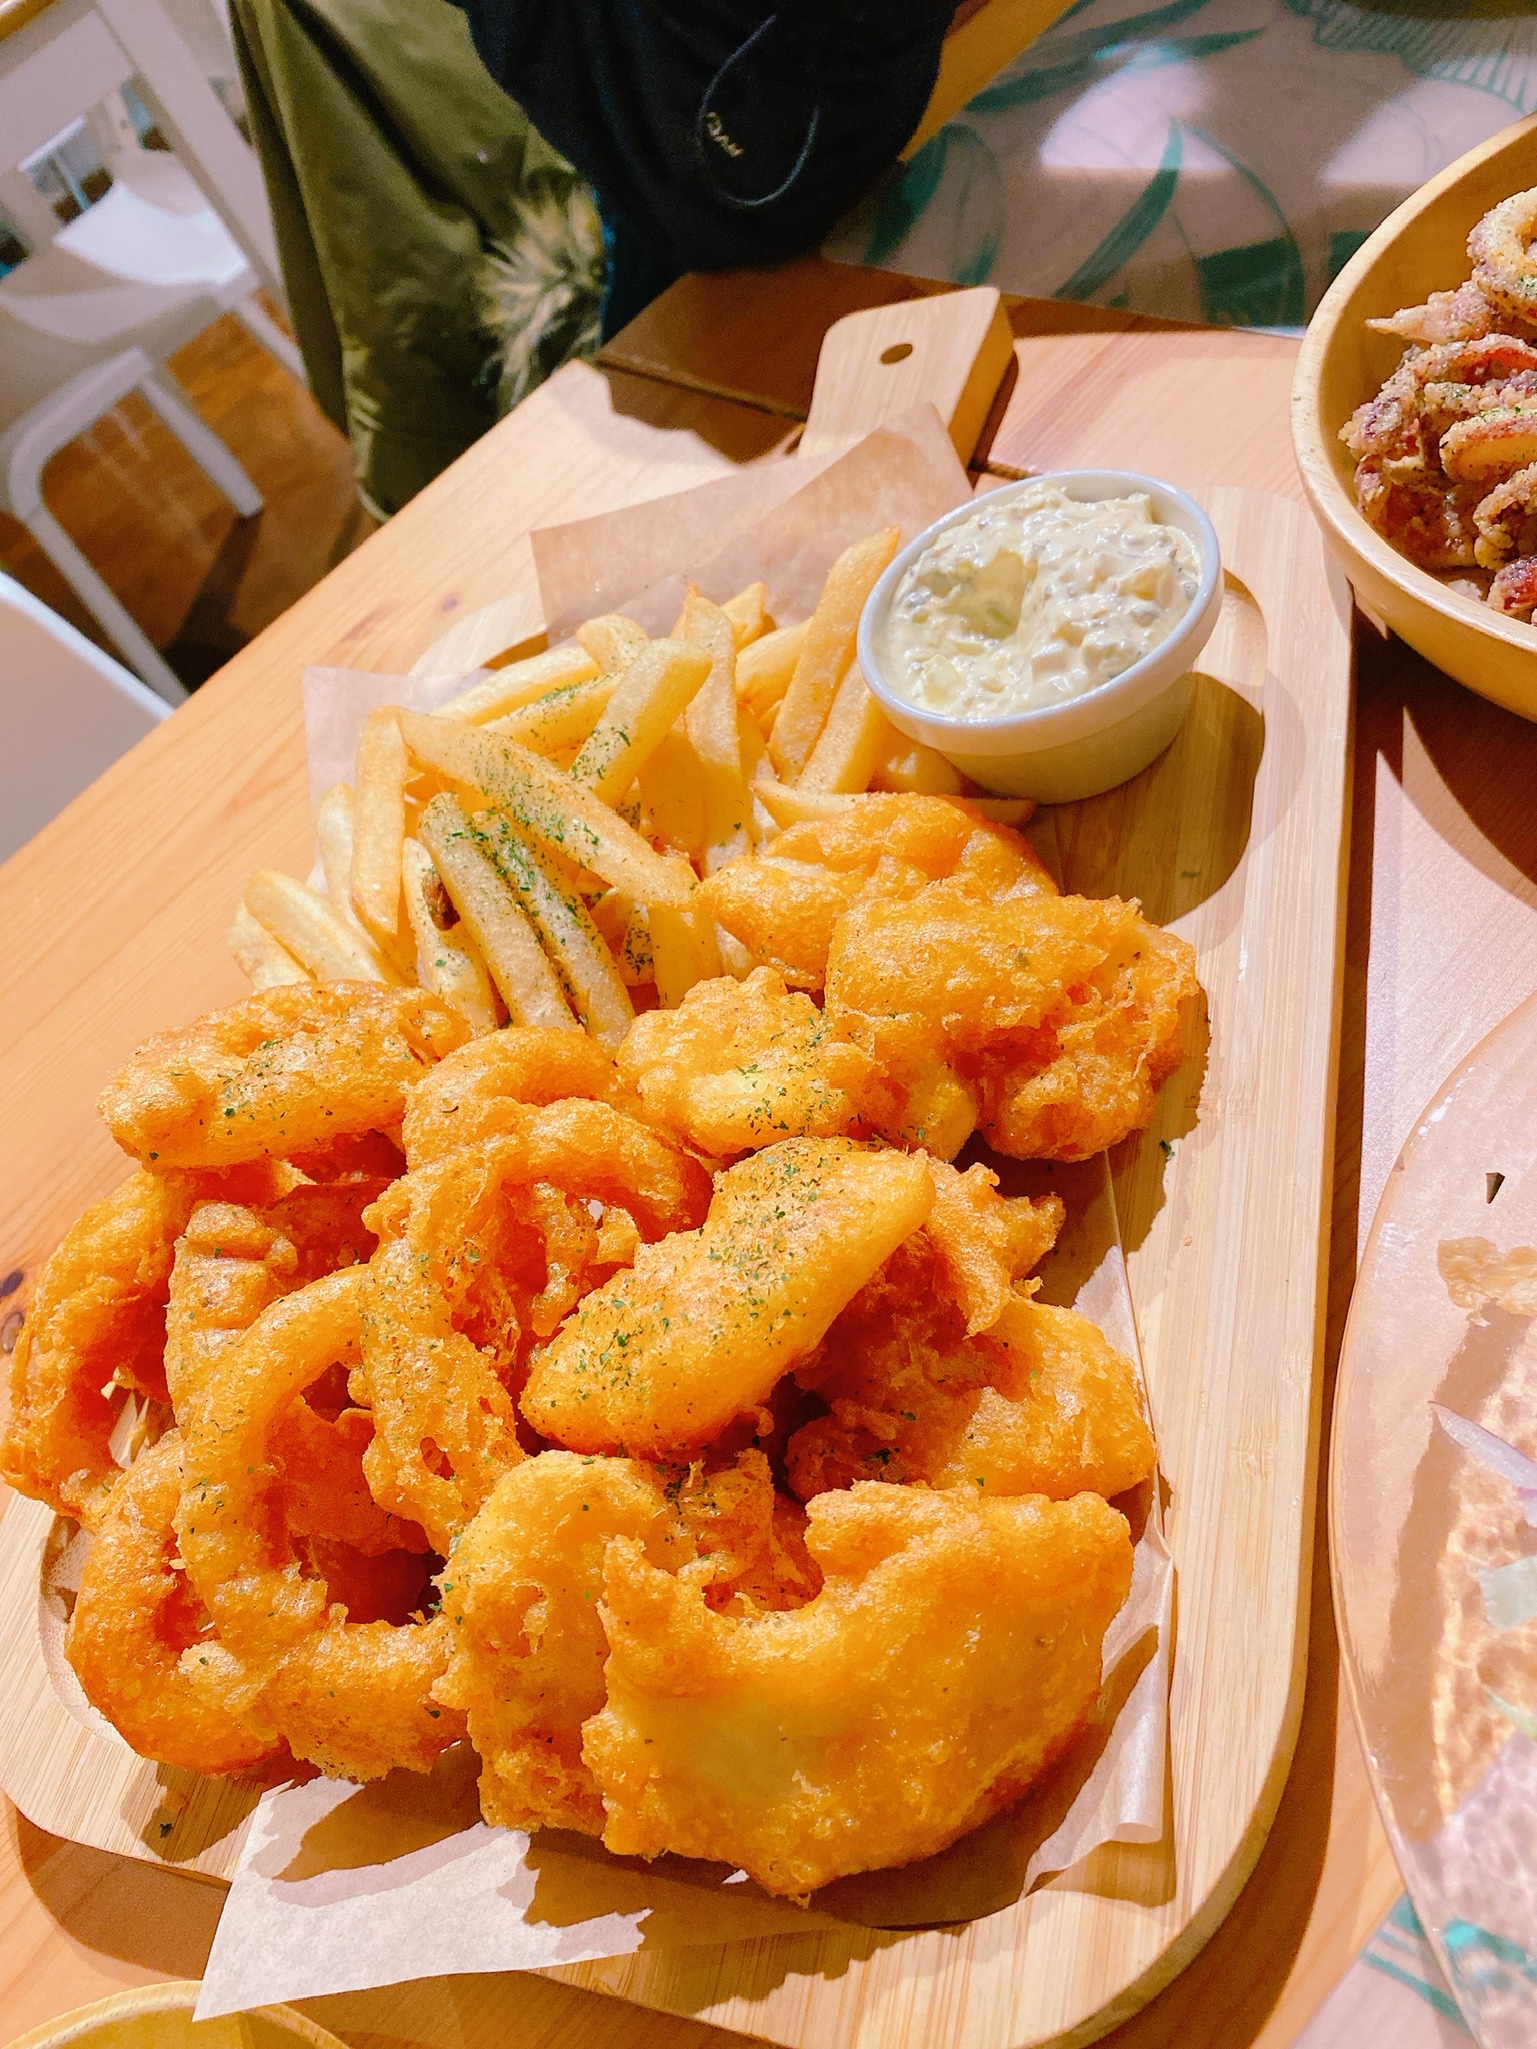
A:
1039,1403
134,1617
482,1256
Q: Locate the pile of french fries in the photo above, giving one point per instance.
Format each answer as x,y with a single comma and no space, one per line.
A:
529,851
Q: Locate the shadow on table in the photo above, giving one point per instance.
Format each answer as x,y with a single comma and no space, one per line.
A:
137,1912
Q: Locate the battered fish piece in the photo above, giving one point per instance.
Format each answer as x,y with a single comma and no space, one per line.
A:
985,1241
1058,1016
479,1091
740,1065
663,1357
293,1067
1039,1403
521,1596
784,904
951,1655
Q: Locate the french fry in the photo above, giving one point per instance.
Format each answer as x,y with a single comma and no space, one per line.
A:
333,832
857,737
559,720
711,724
520,683
379,824
593,985
911,766
266,963
635,959
611,914
764,669
683,952
496,920
313,931
648,697
672,788
613,641
545,803
749,614
447,959
828,650
788,805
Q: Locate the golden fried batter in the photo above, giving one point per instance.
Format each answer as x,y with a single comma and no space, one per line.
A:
1058,1016
98,1323
292,1067
481,1256
984,1241
663,1357
352,1695
740,1065
521,1596
784,903
952,1652
134,1616
477,1092
1039,1403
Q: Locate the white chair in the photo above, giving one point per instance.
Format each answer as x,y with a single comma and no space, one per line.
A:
67,711
92,314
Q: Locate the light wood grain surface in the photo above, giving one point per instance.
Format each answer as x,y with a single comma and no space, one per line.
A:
1441,940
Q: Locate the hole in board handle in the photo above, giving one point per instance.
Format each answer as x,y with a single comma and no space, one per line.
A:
897,353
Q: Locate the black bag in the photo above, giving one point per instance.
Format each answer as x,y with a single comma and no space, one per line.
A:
717,134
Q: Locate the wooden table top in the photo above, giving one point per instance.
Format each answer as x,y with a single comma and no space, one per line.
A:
115,914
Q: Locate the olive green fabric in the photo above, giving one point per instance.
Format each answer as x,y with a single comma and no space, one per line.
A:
440,258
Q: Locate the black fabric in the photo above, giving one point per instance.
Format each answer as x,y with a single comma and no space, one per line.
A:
718,132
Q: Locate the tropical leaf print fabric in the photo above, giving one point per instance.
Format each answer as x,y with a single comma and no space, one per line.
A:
1211,160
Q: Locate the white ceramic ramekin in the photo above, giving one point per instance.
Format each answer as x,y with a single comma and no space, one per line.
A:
1085,744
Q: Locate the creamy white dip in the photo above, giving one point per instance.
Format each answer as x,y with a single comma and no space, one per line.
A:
1035,598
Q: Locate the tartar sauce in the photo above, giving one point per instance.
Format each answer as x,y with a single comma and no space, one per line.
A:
1035,598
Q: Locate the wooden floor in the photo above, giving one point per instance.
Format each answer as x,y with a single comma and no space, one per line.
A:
200,580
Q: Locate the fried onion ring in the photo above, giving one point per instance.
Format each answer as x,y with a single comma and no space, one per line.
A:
97,1322
290,1068
133,1618
352,1696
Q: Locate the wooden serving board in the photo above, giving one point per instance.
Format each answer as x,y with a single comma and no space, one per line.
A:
1236,838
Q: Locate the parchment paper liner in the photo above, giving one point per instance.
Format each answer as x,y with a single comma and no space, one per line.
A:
341,1888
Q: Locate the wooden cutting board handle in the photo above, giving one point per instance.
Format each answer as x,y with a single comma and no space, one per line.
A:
952,350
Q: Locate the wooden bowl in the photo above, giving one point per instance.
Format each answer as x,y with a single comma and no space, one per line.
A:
1419,249
160,2017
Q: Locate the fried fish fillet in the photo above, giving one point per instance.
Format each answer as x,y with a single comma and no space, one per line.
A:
288,1069
784,904
661,1358
1058,1018
1039,1403
740,1065
953,1651
521,1596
